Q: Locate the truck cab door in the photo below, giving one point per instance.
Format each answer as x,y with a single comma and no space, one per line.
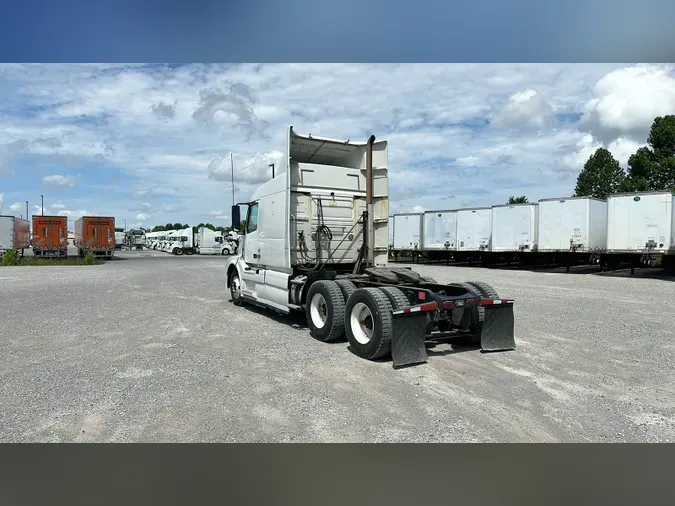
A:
253,275
252,253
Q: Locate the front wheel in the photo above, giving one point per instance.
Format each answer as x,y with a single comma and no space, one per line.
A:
178,251
225,252
368,323
235,288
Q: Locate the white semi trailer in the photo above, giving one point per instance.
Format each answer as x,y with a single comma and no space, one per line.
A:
316,241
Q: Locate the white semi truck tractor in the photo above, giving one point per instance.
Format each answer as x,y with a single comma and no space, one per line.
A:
316,240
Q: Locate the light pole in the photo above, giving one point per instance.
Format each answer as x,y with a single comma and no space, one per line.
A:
43,204
27,215
125,224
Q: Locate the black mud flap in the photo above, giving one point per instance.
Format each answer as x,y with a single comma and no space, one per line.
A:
408,339
497,333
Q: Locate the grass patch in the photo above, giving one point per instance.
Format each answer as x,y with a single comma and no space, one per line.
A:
17,260
11,257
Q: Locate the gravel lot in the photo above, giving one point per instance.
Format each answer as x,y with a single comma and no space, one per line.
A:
147,348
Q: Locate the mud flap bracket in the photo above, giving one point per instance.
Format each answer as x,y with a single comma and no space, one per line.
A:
497,333
408,340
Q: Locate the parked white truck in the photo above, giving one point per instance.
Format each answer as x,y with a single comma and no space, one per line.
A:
316,241
120,237
210,242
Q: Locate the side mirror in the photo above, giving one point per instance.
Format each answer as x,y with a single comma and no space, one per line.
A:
236,217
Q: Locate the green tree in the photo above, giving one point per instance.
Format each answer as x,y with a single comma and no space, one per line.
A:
242,226
662,137
662,142
652,167
641,171
601,176
159,228
517,200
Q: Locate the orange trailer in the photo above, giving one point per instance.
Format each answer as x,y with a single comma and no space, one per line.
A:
95,234
50,236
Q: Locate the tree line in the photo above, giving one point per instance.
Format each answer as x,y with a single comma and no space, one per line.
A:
180,226
650,168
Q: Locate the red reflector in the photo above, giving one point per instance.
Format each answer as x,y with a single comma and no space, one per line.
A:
422,295
429,307
494,302
448,303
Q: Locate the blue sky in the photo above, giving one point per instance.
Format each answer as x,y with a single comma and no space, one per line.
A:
150,144
351,30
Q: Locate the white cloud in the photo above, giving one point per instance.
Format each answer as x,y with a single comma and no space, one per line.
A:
622,148
573,162
250,170
61,180
17,206
74,213
143,217
626,101
171,131
140,193
467,161
219,215
524,109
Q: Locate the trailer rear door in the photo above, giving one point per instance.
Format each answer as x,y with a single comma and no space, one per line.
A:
98,235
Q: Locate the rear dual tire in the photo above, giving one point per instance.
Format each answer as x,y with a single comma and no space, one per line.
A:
477,312
325,311
368,321
337,308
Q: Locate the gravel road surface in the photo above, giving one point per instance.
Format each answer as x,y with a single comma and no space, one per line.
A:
148,348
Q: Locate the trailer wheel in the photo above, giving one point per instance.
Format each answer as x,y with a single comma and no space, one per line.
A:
478,312
396,297
190,252
325,310
347,288
368,323
484,289
235,288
